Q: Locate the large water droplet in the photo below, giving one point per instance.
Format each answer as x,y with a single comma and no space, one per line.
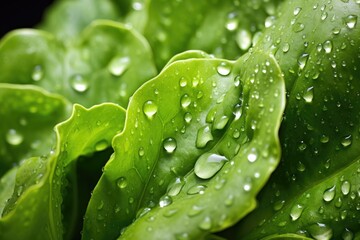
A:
37,73
14,138
296,212
320,231
79,83
224,68
118,65
345,187
169,145
208,165
185,101
165,201
196,189
150,109
220,122
101,145
203,136
309,95
175,187
351,21
329,194
328,46
303,60
297,10
243,39
269,21
346,141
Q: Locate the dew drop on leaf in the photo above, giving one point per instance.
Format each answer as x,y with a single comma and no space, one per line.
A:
243,39
175,187
79,83
203,136
220,122
329,194
196,189
296,211
320,231
141,151
297,10
224,68
165,201
278,205
208,165
150,109
327,46
37,73
169,145
185,101
309,95
183,82
303,60
14,138
205,224
298,27
118,65
351,21
345,187
101,145
286,47
346,141
121,182
195,210
188,117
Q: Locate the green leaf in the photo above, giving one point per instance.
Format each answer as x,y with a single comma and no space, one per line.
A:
28,115
102,65
197,110
224,28
66,19
40,181
317,46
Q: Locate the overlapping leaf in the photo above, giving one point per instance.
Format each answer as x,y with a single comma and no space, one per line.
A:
36,187
108,62
210,113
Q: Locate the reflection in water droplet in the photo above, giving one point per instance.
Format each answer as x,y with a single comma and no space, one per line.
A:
203,136
320,231
150,109
14,138
351,21
169,145
296,212
286,47
208,165
197,189
328,46
165,201
118,65
345,187
187,117
224,68
329,194
183,82
220,122
303,60
185,101
175,187
79,83
243,39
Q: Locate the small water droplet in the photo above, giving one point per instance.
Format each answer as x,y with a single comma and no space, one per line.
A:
300,167
224,68
208,165
347,235
197,189
79,83
183,82
278,205
286,47
195,210
298,27
118,65
141,151
297,10
345,187
309,95
101,145
169,145
203,136
247,187
231,24
346,141
175,187
329,194
165,201
37,73
269,21
220,122
324,139
150,109
296,212
303,60
237,81
327,46
205,224
351,21
14,138
320,231
237,111
236,133
252,157
121,182
185,101
188,117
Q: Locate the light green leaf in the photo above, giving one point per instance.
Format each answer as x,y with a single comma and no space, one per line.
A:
102,65
40,181
28,115
195,108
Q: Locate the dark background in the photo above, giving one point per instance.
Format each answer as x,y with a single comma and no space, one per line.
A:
21,14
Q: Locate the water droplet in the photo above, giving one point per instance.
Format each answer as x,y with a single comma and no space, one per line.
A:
345,187
269,21
231,24
347,235
37,73
237,81
208,165
170,212
236,133
286,47
121,182
298,27
14,138
320,231
185,101
329,194
131,200
182,236
187,117
328,46
351,21
224,68
175,187
141,151
165,201
183,82
303,60
296,212
324,139
203,136
252,157
309,95
205,224
278,205
247,187
243,39
195,210
197,189
300,167
101,145
169,145
220,122
346,141
237,111
150,109
297,10
118,65
79,83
